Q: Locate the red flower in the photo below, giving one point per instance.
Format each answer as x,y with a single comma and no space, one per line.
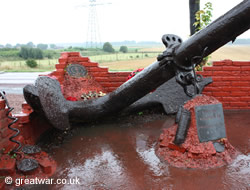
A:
71,98
135,72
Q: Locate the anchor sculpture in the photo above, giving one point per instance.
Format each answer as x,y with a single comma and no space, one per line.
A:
178,60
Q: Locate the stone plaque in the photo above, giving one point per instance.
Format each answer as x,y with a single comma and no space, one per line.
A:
210,122
76,70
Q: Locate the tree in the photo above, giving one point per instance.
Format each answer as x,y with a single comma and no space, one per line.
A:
8,46
42,46
108,47
30,45
124,49
203,17
194,6
52,46
31,63
34,53
18,45
24,52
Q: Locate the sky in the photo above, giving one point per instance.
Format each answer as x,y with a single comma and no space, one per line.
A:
66,21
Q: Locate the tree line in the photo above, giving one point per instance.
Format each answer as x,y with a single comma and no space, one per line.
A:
30,45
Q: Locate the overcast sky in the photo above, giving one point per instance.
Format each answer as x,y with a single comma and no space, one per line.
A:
63,21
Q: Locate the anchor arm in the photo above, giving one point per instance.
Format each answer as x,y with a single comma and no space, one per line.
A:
175,61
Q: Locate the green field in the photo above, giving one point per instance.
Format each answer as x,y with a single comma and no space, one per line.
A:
20,66
122,57
122,61
49,64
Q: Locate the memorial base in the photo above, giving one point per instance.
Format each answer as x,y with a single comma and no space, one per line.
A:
193,153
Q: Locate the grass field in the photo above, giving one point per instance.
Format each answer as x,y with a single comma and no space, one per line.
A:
20,66
117,57
235,53
130,61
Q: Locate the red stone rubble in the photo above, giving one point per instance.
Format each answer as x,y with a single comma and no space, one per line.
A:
30,131
192,153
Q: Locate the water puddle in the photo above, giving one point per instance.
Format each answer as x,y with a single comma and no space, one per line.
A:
122,156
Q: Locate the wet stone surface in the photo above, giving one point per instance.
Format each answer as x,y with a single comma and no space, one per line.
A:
31,149
120,154
27,165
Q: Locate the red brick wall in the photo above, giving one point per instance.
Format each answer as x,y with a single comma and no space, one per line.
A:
30,131
231,83
108,80
231,79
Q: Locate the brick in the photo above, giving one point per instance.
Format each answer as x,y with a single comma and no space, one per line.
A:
239,104
229,89
175,147
218,94
245,73
26,108
241,63
245,89
8,145
246,99
217,68
102,79
240,83
98,69
59,72
231,99
2,104
6,132
100,74
76,60
118,79
227,73
240,93
125,74
219,98
227,107
7,165
22,117
221,84
213,89
62,60
83,59
3,113
223,63
207,93
89,64
222,73
230,68
245,68
25,105
216,78
73,60
70,54
61,66
244,78
73,54
228,78
111,84
232,88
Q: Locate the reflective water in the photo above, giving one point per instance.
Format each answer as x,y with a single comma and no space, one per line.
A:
122,156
